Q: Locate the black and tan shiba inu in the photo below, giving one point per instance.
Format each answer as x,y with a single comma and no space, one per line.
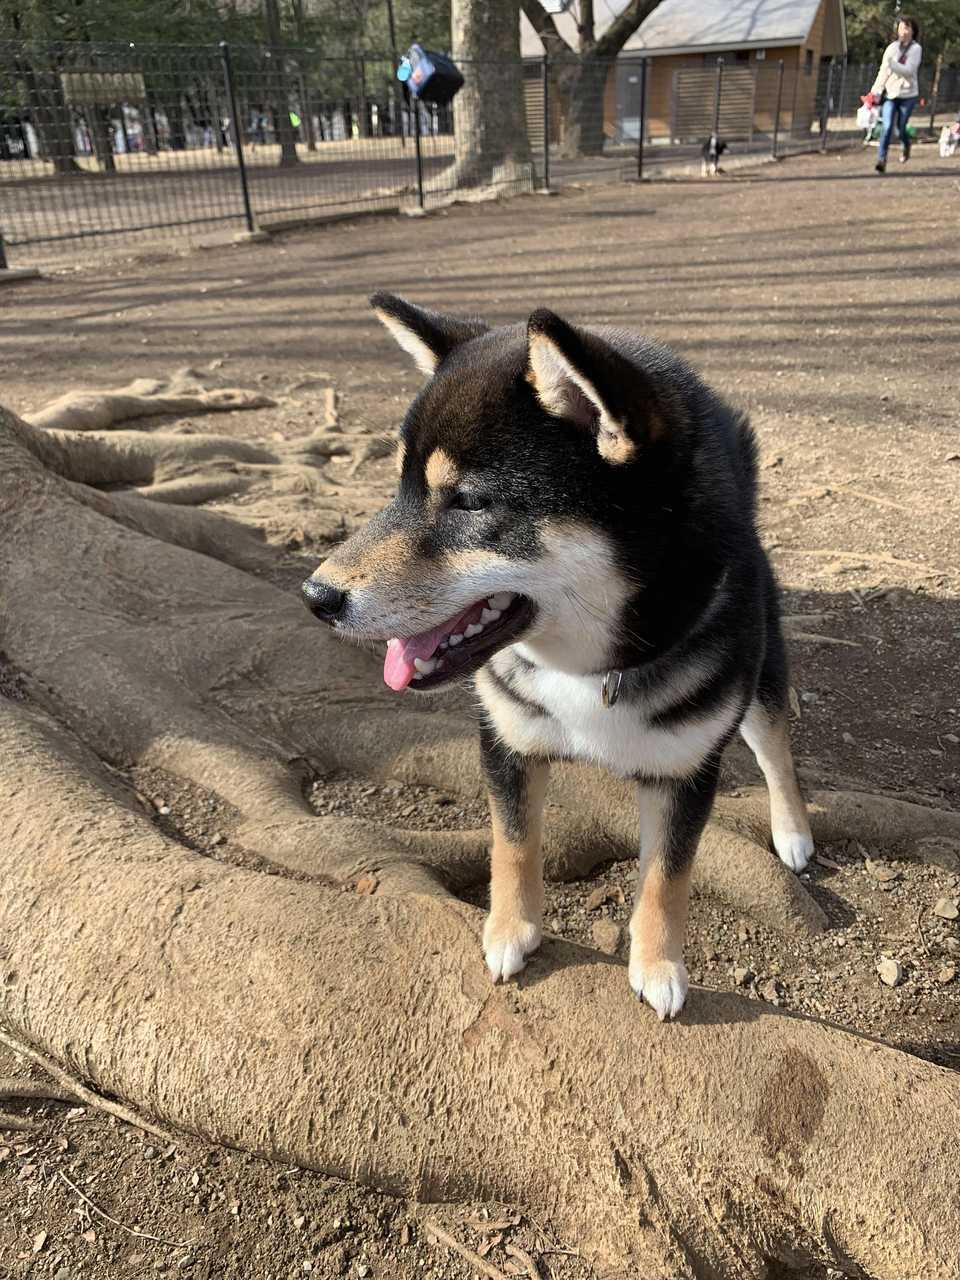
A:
574,529
710,153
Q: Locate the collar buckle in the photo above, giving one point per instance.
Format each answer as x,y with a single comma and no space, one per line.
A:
610,689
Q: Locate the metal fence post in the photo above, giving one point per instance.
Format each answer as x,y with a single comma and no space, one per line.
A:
716,100
776,118
825,114
237,133
642,118
546,122
416,139
842,95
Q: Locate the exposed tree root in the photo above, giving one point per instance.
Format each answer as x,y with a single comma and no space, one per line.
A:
36,1090
737,1136
479,1264
737,1141
16,1124
184,392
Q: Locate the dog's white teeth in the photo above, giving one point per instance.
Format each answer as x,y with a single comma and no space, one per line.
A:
426,666
474,629
455,640
443,644
417,675
488,615
500,601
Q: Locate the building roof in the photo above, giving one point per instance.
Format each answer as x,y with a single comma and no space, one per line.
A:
695,26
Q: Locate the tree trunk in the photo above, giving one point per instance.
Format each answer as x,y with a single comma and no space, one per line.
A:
583,134
305,67
51,116
935,88
101,128
359,1034
277,90
581,74
171,103
489,120
148,118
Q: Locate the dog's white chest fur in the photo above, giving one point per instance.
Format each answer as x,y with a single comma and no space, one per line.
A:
579,726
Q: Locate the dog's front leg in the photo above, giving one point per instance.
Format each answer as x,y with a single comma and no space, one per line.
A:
517,785
672,817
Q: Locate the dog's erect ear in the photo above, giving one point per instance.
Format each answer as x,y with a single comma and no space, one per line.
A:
425,335
580,377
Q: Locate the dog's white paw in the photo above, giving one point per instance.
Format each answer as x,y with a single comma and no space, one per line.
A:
507,941
793,848
662,984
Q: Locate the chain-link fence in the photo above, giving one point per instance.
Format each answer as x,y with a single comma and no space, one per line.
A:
127,144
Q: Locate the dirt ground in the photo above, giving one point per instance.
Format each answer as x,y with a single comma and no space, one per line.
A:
820,297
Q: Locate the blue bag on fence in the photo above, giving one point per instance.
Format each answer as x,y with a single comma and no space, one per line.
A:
431,77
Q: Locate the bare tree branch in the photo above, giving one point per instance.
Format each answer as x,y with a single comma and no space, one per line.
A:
587,26
546,28
623,27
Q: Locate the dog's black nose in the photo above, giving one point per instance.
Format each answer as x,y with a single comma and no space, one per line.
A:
322,599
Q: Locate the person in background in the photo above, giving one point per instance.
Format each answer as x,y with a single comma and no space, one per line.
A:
897,78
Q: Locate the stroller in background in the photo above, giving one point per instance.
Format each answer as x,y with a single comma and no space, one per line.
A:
869,119
950,138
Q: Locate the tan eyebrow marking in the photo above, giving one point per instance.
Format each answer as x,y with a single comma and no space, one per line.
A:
441,470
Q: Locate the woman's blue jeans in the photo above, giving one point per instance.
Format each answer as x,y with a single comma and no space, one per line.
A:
895,109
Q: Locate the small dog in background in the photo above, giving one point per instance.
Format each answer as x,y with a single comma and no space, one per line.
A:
712,150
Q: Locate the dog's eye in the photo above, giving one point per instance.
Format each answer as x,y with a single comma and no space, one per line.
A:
469,502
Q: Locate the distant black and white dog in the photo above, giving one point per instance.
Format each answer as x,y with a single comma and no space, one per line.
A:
574,529
710,153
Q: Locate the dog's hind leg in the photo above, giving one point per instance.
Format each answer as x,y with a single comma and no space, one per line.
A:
517,786
672,817
766,733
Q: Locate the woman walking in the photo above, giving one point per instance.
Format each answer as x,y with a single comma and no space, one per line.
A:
897,79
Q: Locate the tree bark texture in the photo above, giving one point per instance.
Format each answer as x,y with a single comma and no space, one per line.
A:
489,120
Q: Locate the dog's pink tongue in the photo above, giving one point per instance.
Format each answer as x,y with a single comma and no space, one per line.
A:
398,668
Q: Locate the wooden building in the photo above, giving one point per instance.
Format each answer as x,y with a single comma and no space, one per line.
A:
683,40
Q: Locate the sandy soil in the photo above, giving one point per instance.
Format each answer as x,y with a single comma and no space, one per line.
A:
823,299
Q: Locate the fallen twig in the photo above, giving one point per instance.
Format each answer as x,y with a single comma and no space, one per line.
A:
545,1240
867,557
16,1122
11,1088
533,1271
84,1094
485,1268
869,497
813,637
131,1231
488,1226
